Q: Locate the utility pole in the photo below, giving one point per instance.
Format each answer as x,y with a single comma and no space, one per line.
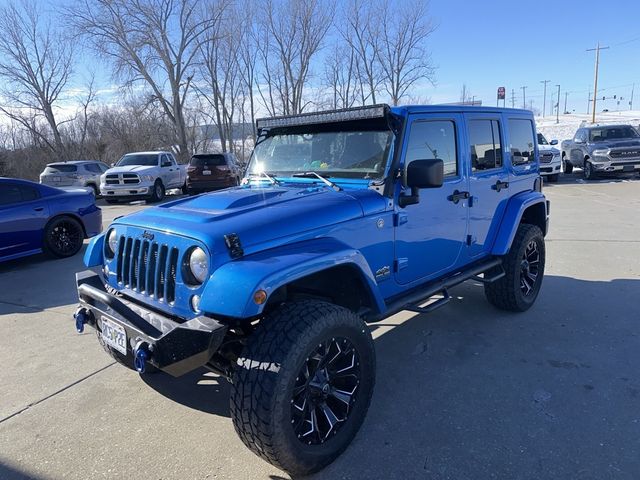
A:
566,94
595,87
631,101
513,98
557,106
524,97
544,96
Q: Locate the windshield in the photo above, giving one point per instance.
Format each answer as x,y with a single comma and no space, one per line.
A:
348,154
542,140
145,159
612,133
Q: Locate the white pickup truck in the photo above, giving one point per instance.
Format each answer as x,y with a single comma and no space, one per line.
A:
142,175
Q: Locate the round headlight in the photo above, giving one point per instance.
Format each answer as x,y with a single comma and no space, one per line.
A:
198,264
112,243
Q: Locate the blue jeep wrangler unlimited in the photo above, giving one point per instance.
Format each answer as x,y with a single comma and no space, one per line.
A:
344,217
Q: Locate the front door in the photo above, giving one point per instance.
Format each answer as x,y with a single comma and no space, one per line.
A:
489,180
431,234
23,215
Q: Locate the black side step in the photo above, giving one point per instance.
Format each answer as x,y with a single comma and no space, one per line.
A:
484,279
441,302
421,294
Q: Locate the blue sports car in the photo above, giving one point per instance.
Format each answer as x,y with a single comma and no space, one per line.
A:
36,218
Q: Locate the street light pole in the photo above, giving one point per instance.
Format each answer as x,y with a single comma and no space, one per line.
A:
557,106
595,87
524,97
544,97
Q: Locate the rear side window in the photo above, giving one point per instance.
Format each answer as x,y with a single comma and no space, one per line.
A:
61,168
207,160
486,148
434,140
12,194
521,141
92,167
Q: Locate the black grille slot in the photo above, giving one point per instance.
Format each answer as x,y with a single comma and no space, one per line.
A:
148,267
129,178
113,179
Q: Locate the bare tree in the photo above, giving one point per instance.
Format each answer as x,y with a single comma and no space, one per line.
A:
152,41
403,56
341,76
36,64
361,32
291,33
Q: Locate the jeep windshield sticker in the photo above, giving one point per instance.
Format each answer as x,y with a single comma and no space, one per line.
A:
348,154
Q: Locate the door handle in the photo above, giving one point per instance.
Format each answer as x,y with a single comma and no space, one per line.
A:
500,185
456,196
38,209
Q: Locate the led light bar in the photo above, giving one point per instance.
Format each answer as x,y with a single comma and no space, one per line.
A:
330,116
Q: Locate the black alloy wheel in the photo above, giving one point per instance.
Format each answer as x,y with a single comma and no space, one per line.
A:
64,237
529,268
325,391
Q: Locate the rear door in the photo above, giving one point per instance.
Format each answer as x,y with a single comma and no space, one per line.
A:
23,216
488,179
430,235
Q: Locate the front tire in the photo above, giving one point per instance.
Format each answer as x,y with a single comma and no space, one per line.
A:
567,166
303,384
158,192
524,271
553,178
63,237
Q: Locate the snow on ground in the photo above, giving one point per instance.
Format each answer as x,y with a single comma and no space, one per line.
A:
570,123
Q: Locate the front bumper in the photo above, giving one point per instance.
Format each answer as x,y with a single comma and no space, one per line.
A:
608,164
123,191
174,347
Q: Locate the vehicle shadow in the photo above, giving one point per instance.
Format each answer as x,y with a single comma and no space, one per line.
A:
472,392
39,282
8,472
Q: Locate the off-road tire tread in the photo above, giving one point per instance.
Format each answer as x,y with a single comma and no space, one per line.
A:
501,293
252,393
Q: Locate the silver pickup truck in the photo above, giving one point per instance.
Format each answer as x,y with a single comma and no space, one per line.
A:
602,149
143,175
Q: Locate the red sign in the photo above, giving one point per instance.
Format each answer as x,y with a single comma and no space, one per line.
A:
501,93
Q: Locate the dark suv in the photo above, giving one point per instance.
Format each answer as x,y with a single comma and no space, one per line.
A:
212,171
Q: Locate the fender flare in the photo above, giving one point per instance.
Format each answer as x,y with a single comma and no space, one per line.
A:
515,210
229,291
93,254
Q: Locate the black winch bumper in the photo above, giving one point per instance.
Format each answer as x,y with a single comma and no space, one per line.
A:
176,348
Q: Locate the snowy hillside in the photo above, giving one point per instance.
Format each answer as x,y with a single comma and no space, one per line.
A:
570,123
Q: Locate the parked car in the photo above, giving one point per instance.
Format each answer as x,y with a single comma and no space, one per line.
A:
602,149
345,217
77,173
550,161
143,175
212,171
36,218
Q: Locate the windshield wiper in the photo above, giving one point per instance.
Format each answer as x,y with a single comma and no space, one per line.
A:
269,176
333,185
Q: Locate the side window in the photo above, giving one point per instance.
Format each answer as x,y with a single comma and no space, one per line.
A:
434,139
486,147
521,143
165,161
29,193
92,167
10,194
103,167
172,159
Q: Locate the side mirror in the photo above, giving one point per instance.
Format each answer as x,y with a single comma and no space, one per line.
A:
113,165
421,174
577,140
554,142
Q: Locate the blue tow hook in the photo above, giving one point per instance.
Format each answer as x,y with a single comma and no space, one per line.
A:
140,357
81,318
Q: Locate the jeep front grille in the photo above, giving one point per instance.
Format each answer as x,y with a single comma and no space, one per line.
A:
147,267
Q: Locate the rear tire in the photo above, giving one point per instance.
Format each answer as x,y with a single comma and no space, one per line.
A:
568,166
524,271
158,192
63,237
553,178
308,361
185,190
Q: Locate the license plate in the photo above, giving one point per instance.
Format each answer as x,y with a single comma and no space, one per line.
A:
206,172
114,335
55,179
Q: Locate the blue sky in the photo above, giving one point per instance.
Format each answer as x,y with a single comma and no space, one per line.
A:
487,44
491,43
